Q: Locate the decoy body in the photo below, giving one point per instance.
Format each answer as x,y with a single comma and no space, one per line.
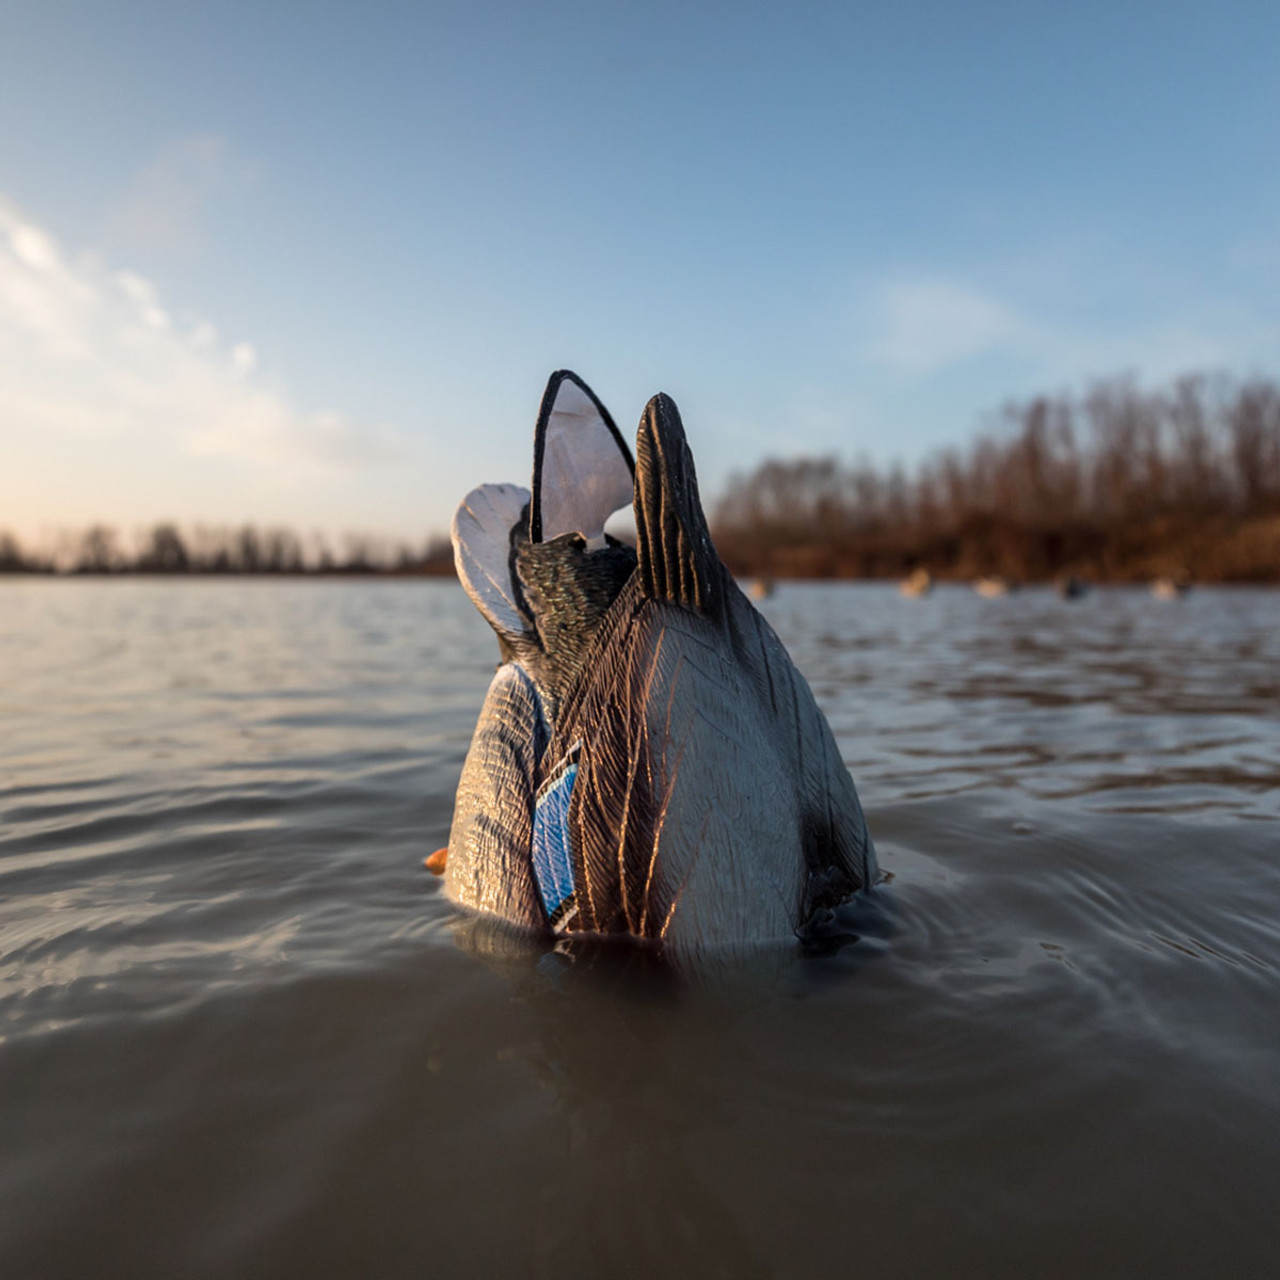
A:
648,761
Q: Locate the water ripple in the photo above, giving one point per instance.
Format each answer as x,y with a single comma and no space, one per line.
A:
241,1031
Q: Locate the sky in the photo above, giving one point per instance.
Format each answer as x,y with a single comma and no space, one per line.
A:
312,264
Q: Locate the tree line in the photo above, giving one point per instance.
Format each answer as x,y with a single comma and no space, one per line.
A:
166,548
1116,483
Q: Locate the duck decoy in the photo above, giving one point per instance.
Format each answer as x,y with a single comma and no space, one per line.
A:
1171,587
648,761
917,584
993,587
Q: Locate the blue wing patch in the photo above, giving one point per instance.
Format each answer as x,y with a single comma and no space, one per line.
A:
552,849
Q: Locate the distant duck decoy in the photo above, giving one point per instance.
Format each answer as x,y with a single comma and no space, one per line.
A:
1171,587
1069,587
648,762
993,586
918,583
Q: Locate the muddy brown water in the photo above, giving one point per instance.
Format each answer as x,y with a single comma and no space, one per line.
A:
243,1034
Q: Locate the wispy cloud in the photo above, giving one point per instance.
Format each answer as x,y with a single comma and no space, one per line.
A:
927,324
94,353
930,325
163,209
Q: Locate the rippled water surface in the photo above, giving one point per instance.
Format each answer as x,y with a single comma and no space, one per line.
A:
243,1034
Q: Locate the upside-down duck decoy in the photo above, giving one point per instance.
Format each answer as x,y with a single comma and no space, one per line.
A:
648,761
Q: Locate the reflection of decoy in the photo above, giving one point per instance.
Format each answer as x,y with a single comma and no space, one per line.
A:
993,586
1171,587
648,760
1069,587
761,588
626,1071
919,582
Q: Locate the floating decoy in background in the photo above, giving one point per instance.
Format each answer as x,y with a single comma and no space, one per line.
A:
1069,587
761,588
648,762
993,586
919,582
1171,587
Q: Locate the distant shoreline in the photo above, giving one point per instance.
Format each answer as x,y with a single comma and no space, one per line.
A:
234,575
1117,485
744,580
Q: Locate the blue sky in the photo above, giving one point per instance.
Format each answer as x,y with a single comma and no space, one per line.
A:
312,263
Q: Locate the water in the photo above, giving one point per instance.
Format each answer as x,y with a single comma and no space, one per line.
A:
242,1033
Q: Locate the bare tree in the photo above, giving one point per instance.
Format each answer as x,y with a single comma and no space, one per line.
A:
165,551
12,559
99,550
